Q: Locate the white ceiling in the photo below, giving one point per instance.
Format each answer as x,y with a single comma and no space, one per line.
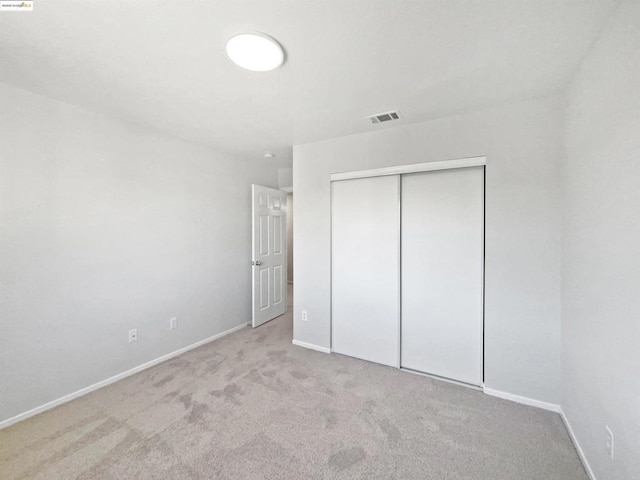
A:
162,63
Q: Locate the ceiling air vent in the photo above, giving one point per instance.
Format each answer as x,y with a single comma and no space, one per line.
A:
384,117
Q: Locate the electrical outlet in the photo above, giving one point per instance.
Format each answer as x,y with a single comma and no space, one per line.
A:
304,315
133,335
609,441
173,323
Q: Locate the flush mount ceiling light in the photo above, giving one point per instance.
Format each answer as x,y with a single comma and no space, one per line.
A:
255,51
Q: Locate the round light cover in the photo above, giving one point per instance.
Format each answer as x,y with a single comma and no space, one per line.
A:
255,51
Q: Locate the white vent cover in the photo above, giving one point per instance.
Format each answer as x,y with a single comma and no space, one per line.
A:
384,117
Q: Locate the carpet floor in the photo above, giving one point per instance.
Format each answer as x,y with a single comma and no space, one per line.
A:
253,406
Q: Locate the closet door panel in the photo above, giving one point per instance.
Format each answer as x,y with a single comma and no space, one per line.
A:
442,273
366,268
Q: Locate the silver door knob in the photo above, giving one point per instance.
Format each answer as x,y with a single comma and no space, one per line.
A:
258,262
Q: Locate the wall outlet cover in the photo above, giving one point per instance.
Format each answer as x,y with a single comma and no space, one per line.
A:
133,335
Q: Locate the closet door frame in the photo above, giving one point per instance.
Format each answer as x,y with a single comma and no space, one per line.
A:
480,161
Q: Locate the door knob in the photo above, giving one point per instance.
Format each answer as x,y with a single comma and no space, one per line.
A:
258,262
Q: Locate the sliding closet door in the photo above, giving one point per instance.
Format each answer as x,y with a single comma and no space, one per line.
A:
442,273
366,268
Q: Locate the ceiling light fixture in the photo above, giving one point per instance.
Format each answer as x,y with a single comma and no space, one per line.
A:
269,156
255,51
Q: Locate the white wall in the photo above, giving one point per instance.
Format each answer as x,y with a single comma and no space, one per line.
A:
601,250
522,143
285,178
106,226
290,237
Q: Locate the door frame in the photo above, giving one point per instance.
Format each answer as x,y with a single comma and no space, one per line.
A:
479,161
411,168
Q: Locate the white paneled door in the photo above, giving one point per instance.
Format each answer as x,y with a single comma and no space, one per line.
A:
442,273
365,294
269,253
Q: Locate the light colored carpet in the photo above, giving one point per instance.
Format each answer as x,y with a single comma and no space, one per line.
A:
253,406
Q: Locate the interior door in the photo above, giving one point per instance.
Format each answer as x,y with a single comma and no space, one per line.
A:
269,245
365,298
442,273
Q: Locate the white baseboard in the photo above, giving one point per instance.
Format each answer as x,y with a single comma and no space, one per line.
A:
574,439
552,407
110,380
311,346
